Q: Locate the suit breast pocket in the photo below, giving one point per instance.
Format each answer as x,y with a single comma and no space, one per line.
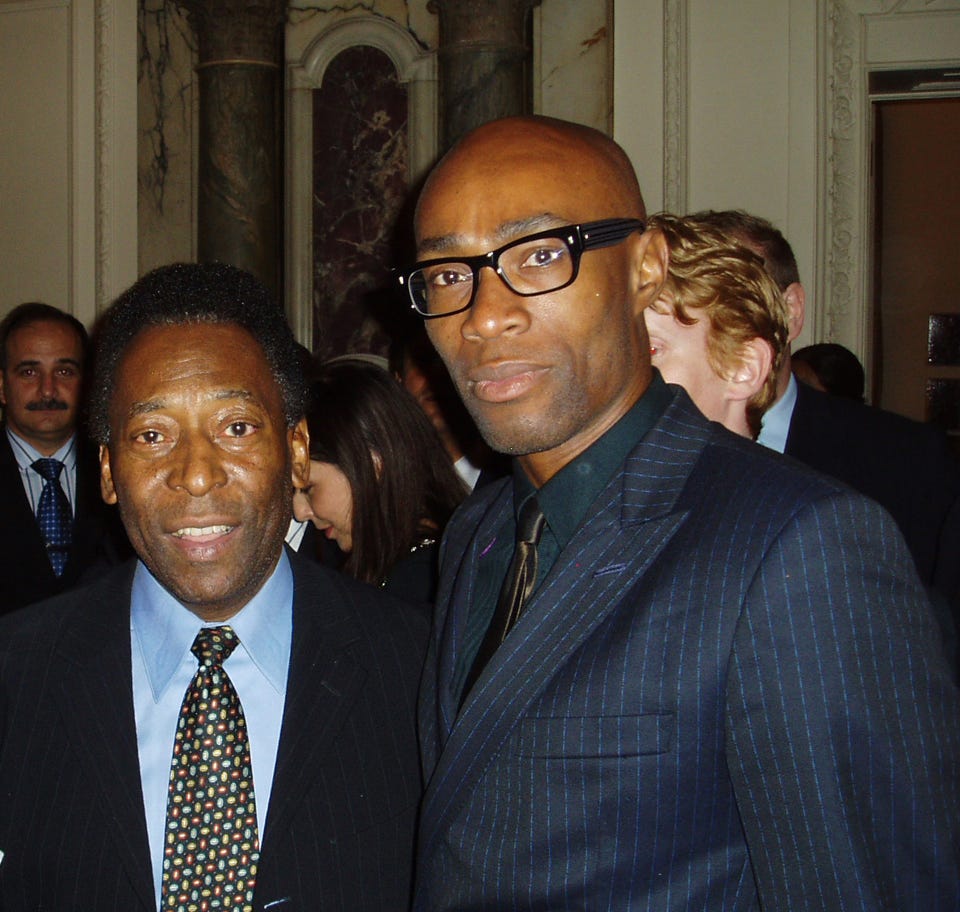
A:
594,737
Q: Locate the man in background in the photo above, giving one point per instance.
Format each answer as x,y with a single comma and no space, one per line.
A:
719,327
421,372
904,465
55,526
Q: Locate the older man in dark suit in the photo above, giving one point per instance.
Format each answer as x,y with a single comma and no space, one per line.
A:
711,678
218,725
47,467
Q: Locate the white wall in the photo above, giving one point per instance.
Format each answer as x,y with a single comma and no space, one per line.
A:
716,103
67,152
35,185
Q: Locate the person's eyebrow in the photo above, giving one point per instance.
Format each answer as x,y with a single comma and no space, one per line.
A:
146,406
505,232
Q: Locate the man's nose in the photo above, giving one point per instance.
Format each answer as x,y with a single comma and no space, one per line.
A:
48,384
197,466
496,308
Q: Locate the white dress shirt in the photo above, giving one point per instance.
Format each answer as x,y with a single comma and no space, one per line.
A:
33,481
775,425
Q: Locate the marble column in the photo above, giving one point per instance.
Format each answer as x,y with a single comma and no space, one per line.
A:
483,57
239,190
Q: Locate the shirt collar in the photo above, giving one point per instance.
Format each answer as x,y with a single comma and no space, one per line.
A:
26,454
164,630
776,420
566,497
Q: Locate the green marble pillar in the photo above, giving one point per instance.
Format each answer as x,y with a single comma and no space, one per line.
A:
239,187
483,62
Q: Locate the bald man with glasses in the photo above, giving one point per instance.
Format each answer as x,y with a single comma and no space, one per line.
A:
668,670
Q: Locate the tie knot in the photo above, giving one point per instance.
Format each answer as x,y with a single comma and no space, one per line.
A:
50,469
530,521
213,645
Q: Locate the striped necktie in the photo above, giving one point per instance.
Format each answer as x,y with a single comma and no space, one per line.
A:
517,587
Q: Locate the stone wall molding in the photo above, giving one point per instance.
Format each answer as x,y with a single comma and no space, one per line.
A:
415,65
857,37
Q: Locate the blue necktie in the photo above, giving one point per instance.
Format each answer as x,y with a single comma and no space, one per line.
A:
53,513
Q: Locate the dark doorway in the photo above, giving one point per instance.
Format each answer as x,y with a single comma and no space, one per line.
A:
917,257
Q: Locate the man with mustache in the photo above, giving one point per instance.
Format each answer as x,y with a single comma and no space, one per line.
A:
42,361
219,724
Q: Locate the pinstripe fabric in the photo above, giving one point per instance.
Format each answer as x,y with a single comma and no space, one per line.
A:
727,695
339,830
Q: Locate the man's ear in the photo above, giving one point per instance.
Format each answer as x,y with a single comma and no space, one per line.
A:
299,440
107,491
756,361
651,258
796,301
3,390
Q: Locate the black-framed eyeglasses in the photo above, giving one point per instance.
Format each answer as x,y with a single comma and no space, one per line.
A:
532,265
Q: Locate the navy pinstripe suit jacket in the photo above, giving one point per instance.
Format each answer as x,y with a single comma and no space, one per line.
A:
340,824
728,694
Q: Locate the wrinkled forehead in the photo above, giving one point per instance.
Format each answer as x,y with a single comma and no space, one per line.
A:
52,337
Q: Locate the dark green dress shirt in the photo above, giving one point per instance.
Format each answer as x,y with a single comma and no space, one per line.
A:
564,500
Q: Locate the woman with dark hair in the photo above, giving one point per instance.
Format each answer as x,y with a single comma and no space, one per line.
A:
381,484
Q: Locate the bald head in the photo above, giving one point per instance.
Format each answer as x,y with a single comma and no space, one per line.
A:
530,202
567,160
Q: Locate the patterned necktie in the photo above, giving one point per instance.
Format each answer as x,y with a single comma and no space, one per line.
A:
517,586
211,846
53,513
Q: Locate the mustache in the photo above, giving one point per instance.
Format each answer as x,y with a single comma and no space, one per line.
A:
47,405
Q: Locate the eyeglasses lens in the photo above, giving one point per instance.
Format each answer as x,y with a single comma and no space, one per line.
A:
527,267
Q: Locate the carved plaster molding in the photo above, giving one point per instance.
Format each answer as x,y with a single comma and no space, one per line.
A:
103,130
675,106
844,289
415,65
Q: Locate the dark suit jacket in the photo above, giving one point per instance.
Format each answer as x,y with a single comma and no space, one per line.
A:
903,465
340,824
98,540
726,695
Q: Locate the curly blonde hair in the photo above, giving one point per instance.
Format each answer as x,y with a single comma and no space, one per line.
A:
712,273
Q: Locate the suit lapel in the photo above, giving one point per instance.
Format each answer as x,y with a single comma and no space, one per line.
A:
624,532
98,716
19,520
322,684
467,554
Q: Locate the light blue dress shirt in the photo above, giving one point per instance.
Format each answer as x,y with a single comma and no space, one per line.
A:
162,632
776,420
33,481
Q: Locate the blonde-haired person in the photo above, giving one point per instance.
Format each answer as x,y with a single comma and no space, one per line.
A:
719,328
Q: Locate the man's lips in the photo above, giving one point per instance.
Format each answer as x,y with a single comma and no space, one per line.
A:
503,382
205,540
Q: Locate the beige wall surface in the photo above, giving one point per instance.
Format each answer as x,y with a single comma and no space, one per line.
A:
717,105
67,152
35,160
